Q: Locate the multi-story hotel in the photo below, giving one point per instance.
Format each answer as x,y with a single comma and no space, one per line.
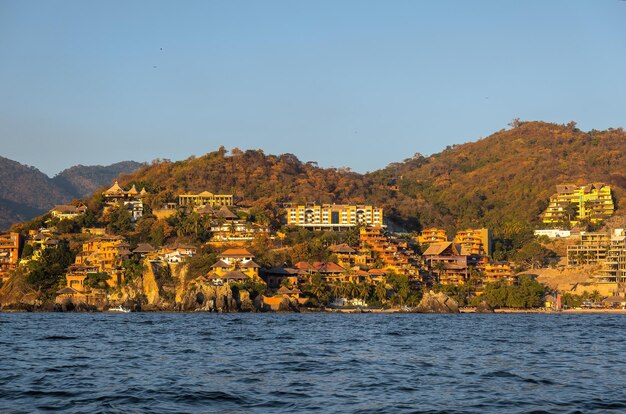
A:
10,244
205,198
333,216
592,249
614,266
433,235
475,241
593,202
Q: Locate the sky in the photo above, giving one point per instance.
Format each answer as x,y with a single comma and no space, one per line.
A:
344,83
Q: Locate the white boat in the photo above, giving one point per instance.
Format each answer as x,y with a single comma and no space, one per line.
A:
119,309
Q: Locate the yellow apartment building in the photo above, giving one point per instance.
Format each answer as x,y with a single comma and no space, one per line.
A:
593,202
333,216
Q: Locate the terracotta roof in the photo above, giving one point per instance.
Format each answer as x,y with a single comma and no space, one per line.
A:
143,248
226,213
66,209
437,248
377,272
143,191
221,264
205,210
341,248
236,253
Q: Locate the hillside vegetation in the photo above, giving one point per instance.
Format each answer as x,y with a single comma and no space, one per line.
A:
504,181
26,192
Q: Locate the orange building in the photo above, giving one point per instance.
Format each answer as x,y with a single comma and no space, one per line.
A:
476,241
393,256
498,271
433,235
106,254
10,249
235,265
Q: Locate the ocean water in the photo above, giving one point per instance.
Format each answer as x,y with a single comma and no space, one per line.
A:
337,363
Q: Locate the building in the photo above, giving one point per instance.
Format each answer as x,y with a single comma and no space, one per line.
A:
593,202
432,235
553,233
346,255
205,198
234,265
392,255
614,265
106,254
333,216
592,249
449,262
68,212
476,241
498,272
131,199
10,250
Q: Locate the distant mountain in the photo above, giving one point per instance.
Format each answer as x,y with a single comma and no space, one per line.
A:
26,192
82,181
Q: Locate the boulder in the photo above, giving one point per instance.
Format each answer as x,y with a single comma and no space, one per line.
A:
437,303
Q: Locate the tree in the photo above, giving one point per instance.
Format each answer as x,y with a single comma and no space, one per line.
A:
48,272
97,280
120,220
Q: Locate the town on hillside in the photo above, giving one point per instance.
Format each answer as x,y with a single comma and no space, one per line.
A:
198,250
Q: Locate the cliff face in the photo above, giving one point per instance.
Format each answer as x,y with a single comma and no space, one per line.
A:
17,294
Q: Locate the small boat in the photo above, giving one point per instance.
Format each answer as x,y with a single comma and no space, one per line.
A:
119,309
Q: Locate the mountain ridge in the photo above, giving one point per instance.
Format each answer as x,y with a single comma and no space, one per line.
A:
26,192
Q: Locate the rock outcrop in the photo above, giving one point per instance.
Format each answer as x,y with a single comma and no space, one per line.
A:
437,303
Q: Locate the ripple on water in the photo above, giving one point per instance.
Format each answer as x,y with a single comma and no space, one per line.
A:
312,363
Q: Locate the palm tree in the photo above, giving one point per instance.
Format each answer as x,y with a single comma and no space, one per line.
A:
381,292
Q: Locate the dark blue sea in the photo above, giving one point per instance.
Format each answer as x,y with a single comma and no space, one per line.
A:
335,363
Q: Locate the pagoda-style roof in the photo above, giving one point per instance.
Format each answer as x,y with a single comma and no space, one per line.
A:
224,212
250,264
114,190
143,191
133,190
143,248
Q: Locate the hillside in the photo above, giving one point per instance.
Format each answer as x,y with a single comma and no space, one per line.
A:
504,181
82,181
26,192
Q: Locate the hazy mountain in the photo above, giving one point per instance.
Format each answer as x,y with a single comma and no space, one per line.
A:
26,192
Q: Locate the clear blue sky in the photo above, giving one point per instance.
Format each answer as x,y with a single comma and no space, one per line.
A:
345,83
